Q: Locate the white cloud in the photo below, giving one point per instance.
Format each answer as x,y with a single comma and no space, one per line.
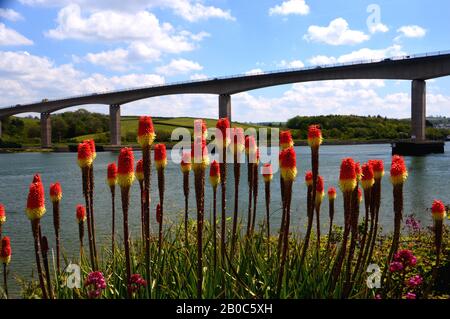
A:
412,31
379,27
359,55
179,66
11,37
198,76
10,14
290,7
336,33
190,10
254,72
294,64
32,78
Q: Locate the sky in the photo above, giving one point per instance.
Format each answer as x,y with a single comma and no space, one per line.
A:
59,48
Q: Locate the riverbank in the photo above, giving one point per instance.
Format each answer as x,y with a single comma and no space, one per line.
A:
69,148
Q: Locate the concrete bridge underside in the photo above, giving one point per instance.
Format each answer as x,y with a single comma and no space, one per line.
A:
417,70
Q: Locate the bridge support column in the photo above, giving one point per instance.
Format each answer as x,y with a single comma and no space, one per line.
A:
46,130
225,106
114,124
418,110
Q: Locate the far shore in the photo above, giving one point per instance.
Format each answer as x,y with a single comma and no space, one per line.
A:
107,148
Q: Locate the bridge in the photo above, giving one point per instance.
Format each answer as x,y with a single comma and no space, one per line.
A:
416,68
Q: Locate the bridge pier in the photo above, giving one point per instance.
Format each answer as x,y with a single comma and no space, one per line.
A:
418,110
114,124
46,130
225,106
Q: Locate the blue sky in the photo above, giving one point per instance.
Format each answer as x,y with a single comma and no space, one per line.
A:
58,48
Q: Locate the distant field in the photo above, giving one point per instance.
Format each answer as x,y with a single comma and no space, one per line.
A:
163,127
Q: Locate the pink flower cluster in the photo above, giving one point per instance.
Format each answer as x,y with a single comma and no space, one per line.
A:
136,282
412,224
410,295
414,281
402,259
97,281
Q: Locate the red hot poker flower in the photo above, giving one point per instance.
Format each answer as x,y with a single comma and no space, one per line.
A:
185,164
85,156
199,155
331,193
438,210
320,190
347,175
358,171
367,179
139,170
5,250
2,214
399,173
314,136
359,195
92,145
288,164
125,170
223,125
55,192
214,174
378,168
267,172
35,201
160,156
112,174
238,139
286,140
309,178
146,132
200,129
80,213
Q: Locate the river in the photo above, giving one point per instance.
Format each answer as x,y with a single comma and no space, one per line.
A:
429,178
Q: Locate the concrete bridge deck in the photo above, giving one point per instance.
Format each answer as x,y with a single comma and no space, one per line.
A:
417,68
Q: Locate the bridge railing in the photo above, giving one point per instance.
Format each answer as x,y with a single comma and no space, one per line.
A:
305,68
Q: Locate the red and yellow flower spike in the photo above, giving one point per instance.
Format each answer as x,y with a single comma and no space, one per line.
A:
360,195
314,136
331,193
85,156
378,168
2,214
308,178
367,178
5,250
438,210
199,155
399,173
200,129
160,156
320,190
238,139
139,173
91,143
146,132
112,174
80,213
358,171
286,140
55,192
267,172
347,175
185,164
223,125
125,170
214,174
35,201
288,164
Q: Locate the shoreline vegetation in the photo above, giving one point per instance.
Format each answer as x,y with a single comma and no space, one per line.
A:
353,260
69,128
